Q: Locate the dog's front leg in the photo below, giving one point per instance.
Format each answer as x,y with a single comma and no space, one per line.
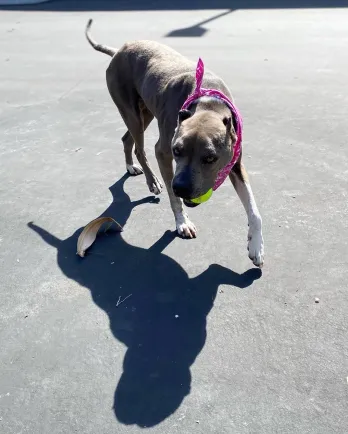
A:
184,226
239,178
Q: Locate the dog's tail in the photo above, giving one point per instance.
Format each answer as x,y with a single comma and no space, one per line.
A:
99,47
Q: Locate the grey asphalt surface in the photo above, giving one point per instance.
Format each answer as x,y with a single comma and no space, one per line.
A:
203,343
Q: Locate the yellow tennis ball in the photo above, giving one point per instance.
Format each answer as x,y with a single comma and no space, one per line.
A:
206,196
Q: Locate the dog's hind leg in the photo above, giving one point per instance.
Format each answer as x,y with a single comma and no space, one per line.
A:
137,121
239,178
128,144
137,118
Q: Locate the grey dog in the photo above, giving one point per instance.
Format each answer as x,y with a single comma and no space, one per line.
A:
148,80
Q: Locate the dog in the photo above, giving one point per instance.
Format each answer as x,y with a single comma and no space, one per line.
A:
148,80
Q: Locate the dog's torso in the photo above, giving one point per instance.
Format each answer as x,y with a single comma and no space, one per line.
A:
161,76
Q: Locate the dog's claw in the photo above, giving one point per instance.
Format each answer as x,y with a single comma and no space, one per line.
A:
255,247
258,260
155,185
185,228
134,169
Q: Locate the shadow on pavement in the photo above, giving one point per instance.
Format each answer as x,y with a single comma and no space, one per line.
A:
197,30
162,323
152,5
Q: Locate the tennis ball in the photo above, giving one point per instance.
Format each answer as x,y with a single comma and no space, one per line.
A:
206,196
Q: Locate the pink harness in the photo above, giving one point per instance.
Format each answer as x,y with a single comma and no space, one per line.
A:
200,92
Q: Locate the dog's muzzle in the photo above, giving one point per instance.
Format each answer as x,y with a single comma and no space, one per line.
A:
198,200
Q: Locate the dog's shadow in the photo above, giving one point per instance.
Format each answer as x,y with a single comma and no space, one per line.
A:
163,322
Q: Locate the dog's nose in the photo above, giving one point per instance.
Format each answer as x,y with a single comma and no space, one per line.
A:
181,190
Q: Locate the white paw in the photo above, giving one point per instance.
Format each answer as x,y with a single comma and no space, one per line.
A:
255,246
134,169
155,186
185,227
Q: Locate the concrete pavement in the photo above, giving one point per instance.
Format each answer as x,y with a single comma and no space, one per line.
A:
204,343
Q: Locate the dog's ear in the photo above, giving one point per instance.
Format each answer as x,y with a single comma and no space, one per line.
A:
228,123
229,130
183,115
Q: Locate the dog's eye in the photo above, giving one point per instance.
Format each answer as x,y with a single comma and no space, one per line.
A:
176,152
209,160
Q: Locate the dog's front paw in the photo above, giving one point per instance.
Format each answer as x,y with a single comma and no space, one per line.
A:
134,169
155,185
255,247
185,228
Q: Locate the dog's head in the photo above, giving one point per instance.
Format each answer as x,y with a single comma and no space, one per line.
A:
202,145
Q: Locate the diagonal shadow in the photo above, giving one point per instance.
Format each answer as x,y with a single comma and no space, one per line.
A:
197,30
163,323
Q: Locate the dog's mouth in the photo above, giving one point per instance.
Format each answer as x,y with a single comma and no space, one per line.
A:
190,204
